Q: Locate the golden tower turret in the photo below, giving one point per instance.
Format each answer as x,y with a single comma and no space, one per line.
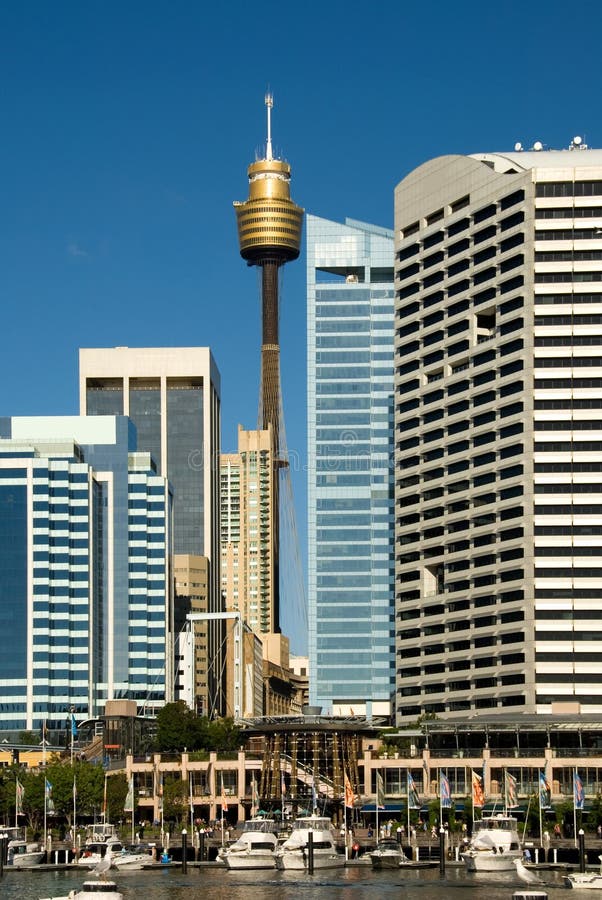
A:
269,234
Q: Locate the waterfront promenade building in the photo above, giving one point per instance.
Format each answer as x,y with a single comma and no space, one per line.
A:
350,480
498,430
85,525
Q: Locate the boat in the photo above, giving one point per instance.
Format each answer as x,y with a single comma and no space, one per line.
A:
255,847
21,854
121,858
494,845
387,855
92,890
293,854
133,859
588,881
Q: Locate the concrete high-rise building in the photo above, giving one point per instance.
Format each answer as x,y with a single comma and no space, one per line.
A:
498,428
247,530
350,477
84,571
171,394
191,575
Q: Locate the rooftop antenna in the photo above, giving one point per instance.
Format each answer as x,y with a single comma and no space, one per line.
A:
269,102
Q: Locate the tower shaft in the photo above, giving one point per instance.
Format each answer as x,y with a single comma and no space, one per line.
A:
270,353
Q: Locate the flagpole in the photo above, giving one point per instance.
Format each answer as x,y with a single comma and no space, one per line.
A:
574,808
45,813
408,800
16,802
377,799
540,819
131,791
74,806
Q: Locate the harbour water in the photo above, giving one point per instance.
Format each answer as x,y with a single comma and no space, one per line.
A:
352,883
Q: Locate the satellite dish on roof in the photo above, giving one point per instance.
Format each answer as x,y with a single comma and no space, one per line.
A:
538,145
518,146
577,140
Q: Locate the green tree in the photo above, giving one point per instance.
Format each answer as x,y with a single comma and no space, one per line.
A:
29,737
175,800
223,734
117,789
177,727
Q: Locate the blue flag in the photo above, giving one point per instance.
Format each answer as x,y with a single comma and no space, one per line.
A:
578,792
545,794
445,791
73,726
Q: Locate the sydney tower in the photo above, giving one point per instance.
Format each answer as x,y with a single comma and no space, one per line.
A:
269,234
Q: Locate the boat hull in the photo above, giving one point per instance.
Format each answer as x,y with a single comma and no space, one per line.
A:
488,861
588,881
296,861
252,860
23,860
386,862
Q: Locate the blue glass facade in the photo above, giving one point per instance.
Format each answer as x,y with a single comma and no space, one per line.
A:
13,566
68,555
350,303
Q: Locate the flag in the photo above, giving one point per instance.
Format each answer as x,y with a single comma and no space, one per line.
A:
427,775
380,791
545,794
19,794
282,785
190,793
48,797
128,806
445,792
224,801
348,793
413,798
578,792
74,789
478,796
314,795
73,726
510,795
254,797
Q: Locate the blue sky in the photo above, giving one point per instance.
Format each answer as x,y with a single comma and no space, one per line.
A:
127,128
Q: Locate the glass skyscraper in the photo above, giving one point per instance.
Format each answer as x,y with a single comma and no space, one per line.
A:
350,309
172,396
84,570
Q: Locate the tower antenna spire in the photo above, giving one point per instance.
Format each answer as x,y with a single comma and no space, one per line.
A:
269,102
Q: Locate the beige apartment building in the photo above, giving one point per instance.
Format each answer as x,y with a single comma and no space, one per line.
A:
498,429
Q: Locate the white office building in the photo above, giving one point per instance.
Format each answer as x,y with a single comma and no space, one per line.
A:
498,430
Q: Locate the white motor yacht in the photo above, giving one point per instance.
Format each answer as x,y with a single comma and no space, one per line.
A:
494,845
387,855
121,858
590,881
294,853
255,847
21,854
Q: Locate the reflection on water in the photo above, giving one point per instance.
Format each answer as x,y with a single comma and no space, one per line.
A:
353,883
